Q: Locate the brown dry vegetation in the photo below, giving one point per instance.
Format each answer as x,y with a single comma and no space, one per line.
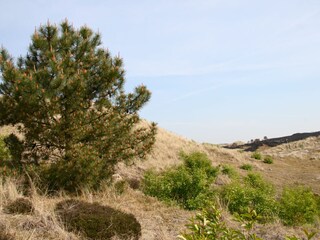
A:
293,162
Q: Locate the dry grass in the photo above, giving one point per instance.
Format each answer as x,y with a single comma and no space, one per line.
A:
158,220
299,161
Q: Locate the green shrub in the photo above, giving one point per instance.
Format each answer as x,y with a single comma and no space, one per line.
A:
268,160
188,185
209,225
20,206
95,221
256,155
229,170
247,167
298,206
254,193
87,171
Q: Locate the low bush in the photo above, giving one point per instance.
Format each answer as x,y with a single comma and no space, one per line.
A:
247,167
256,155
268,160
95,221
298,206
86,171
229,170
19,206
254,193
188,185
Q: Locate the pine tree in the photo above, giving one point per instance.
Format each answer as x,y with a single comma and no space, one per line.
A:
68,95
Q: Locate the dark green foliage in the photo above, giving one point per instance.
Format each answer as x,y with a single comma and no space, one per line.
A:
68,92
15,147
188,185
247,167
95,221
254,193
268,160
86,171
8,166
298,206
20,206
256,155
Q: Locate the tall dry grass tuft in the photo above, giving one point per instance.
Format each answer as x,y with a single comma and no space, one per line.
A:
8,191
42,224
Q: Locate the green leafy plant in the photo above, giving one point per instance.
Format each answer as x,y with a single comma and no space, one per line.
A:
209,225
95,221
256,155
298,206
188,185
247,167
309,235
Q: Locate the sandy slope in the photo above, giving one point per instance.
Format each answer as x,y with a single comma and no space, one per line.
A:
295,162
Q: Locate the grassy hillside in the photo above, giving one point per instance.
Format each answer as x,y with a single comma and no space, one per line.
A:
293,162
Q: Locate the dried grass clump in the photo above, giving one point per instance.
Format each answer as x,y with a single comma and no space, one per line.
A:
96,221
19,206
4,235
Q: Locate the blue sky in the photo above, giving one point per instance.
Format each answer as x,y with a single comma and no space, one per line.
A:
219,70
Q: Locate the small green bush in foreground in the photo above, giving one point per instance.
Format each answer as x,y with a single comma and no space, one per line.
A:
298,206
187,185
209,225
254,193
